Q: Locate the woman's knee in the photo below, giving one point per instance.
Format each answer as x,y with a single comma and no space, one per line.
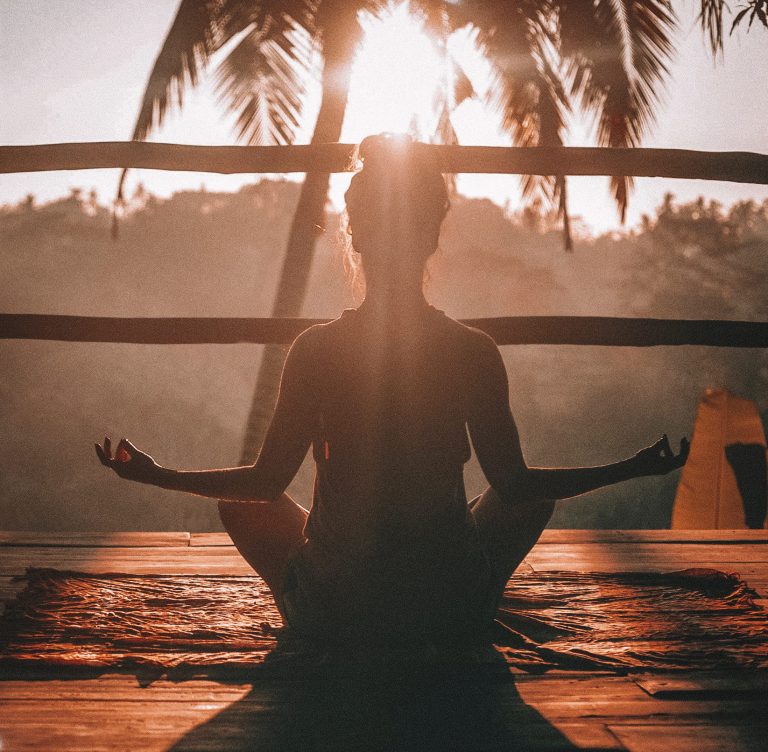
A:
490,502
259,519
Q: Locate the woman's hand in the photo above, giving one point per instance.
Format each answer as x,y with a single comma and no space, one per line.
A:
659,458
128,462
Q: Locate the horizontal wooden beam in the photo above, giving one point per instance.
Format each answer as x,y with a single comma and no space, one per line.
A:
739,167
506,330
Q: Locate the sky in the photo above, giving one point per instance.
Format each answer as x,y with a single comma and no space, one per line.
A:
74,70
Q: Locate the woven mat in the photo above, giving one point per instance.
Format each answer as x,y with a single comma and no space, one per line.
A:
695,619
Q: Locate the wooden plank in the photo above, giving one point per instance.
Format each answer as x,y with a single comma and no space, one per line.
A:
505,698
691,552
210,727
743,737
746,571
547,712
705,684
210,539
516,704
505,330
738,557
112,687
536,689
561,536
66,539
748,561
133,560
741,167
752,537
549,537
272,725
584,735
103,726
659,710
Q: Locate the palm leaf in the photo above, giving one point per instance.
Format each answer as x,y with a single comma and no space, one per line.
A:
200,28
262,81
711,21
195,34
618,76
191,40
527,91
455,86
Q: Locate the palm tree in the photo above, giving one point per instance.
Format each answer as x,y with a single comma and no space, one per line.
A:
262,81
610,57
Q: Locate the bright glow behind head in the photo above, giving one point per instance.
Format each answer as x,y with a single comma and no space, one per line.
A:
395,76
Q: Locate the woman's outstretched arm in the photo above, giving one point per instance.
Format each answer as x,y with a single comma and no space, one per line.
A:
497,445
237,483
563,483
283,451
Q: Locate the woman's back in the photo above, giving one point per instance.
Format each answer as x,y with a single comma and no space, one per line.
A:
390,437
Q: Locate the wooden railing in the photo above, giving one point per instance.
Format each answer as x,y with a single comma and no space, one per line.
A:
506,330
740,167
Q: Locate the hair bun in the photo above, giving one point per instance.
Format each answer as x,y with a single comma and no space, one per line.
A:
400,184
385,149
397,152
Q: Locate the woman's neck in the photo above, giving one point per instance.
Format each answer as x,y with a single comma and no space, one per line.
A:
394,300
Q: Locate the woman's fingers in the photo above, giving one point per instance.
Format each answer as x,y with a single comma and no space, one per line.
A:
660,458
123,453
131,448
102,457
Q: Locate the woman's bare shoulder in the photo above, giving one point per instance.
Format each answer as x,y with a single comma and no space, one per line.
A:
469,338
318,337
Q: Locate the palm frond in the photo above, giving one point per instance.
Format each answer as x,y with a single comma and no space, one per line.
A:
513,92
446,134
757,9
552,107
618,76
710,19
462,86
434,15
454,86
527,90
199,28
192,38
262,81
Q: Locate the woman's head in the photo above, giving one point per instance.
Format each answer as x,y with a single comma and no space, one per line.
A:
395,205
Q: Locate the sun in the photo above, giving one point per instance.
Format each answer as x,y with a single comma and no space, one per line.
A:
395,78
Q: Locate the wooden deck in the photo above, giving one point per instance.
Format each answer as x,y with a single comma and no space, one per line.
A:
555,711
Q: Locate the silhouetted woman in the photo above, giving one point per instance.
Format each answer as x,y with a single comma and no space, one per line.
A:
385,395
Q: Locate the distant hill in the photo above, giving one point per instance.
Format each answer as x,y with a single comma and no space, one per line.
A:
202,253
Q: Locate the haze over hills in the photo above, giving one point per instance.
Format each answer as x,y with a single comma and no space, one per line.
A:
208,254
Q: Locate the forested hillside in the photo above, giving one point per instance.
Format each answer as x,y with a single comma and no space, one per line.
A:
201,253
